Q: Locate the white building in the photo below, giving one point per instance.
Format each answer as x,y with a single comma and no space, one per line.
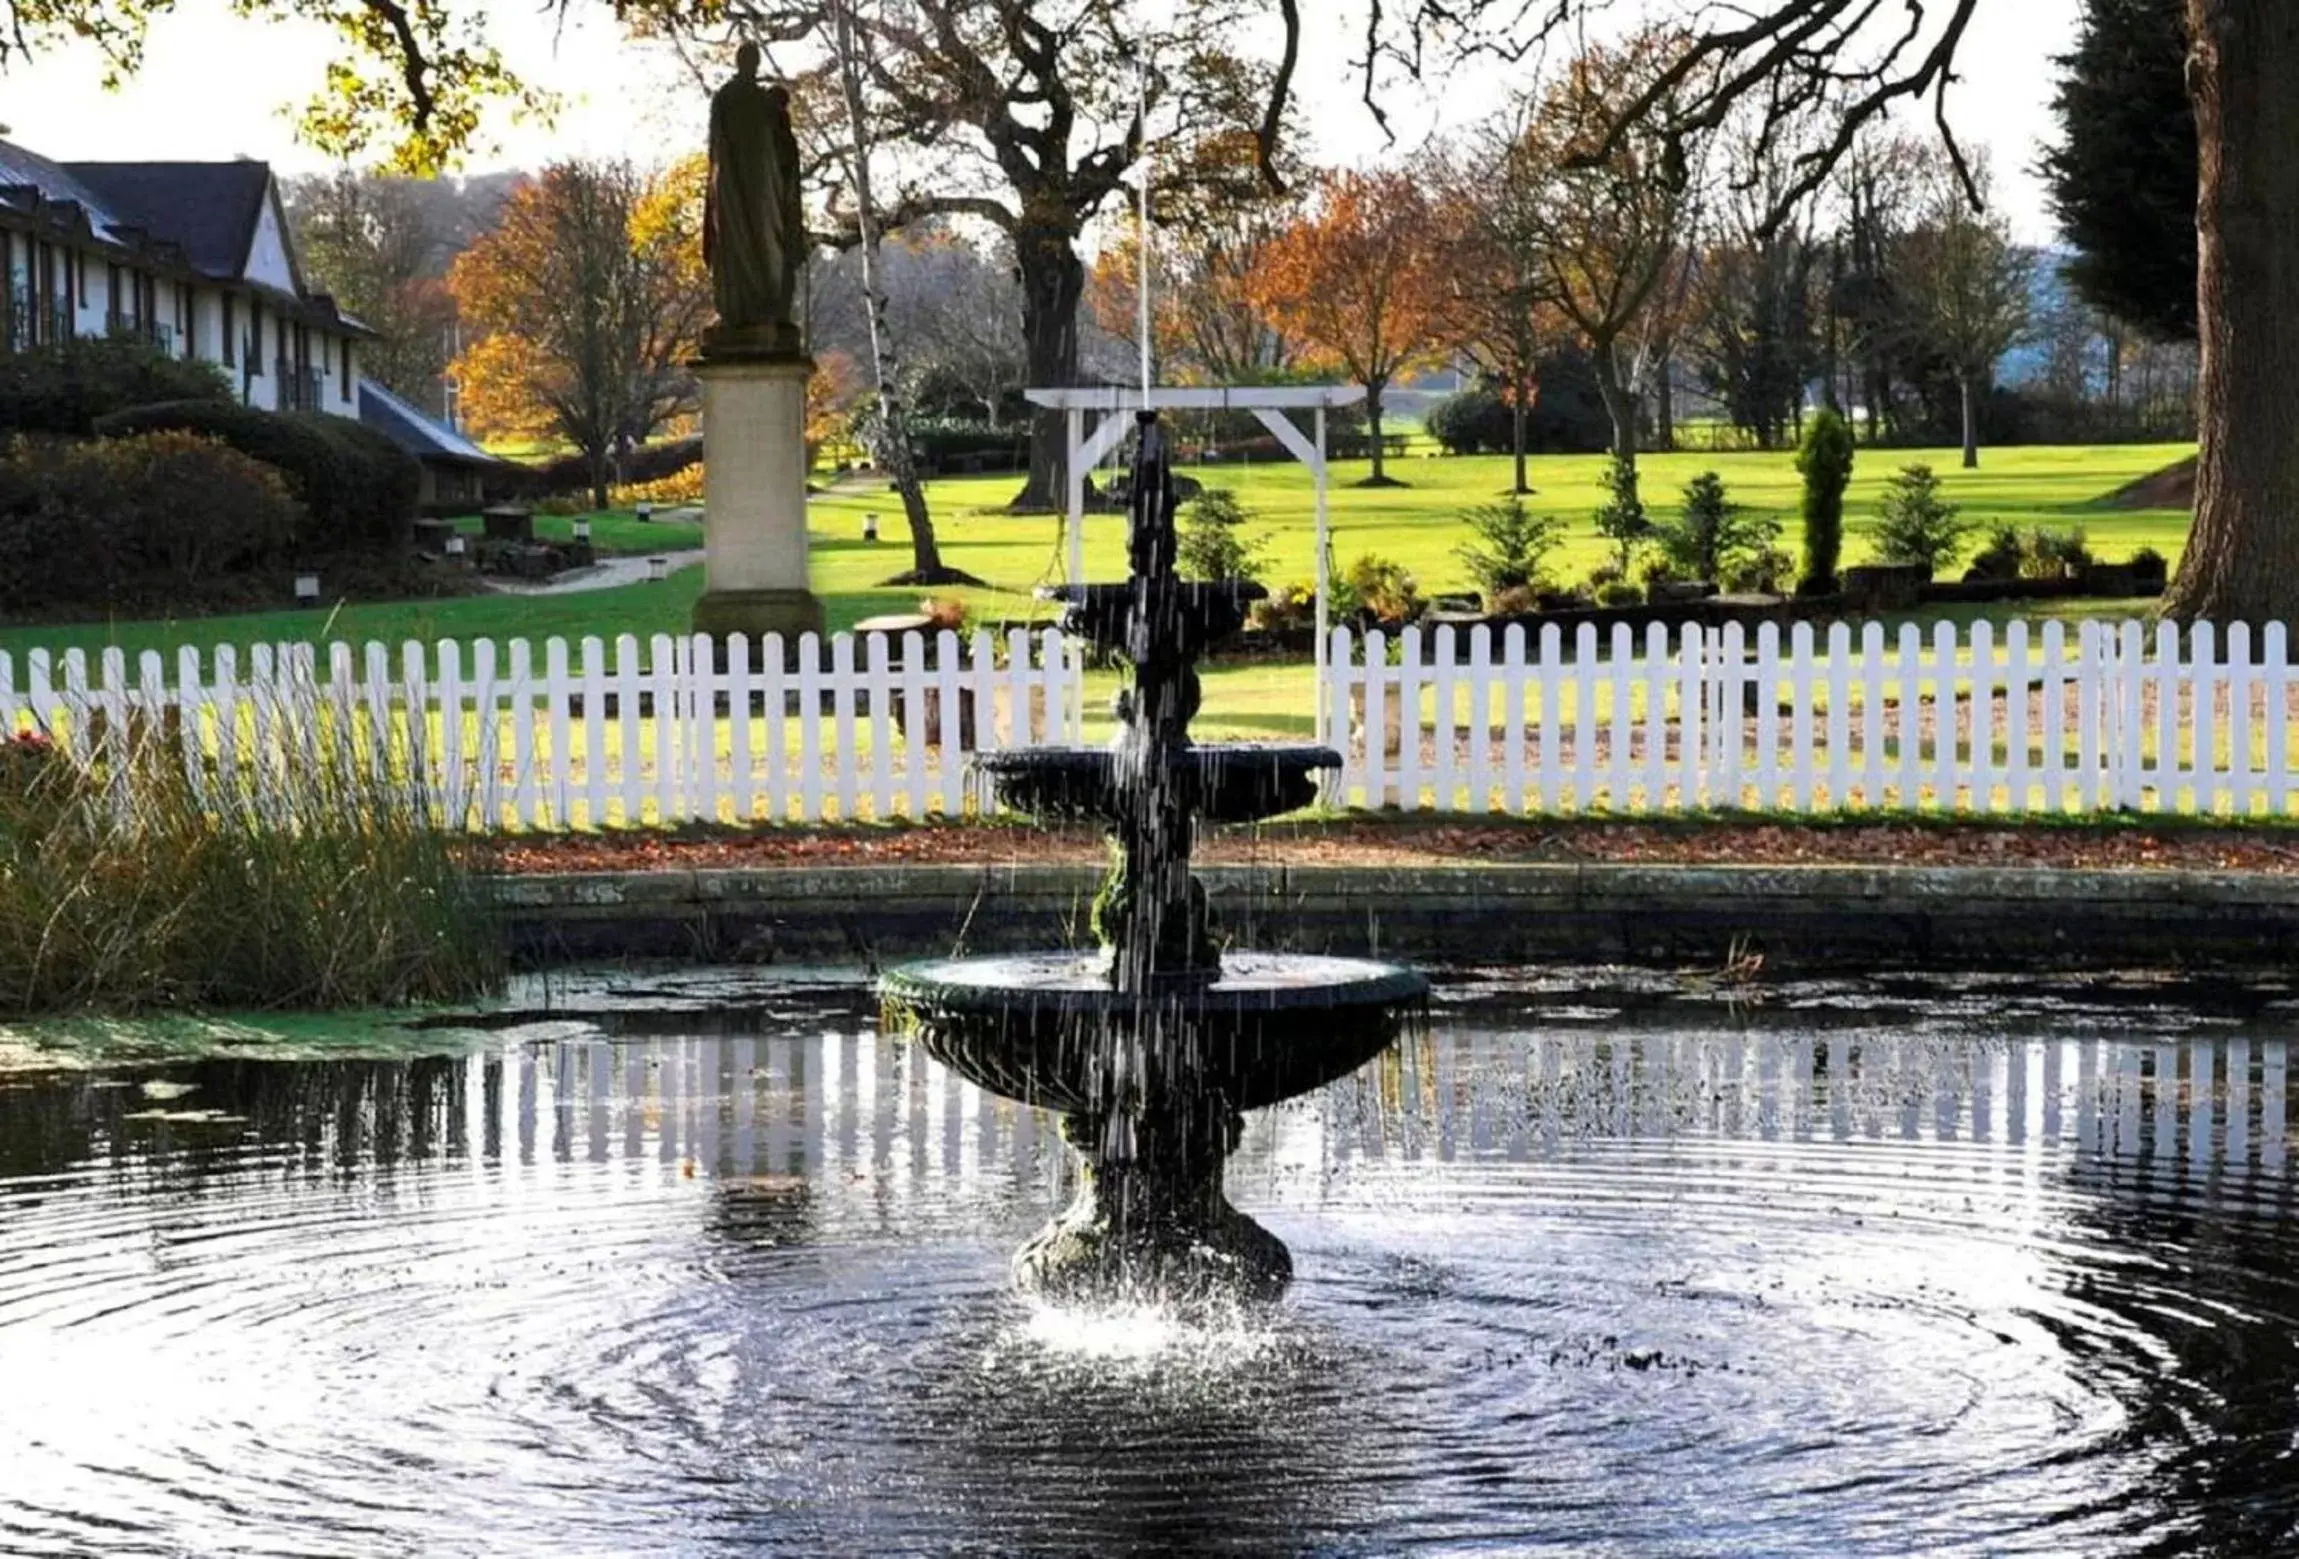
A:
195,257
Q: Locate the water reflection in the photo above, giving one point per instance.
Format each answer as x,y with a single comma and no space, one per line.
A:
1758,1285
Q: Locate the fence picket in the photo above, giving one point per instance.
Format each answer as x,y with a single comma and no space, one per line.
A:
913,724
1376,727
810,728
774,738
2275,674
2016,674
1444,647
740,696
527,796
1946,741
847,739
950,696
2203,677
2169,675
1623,728
594,731
1409,720
2239,754
1658,674
2052,734
631,769
1800,699
1767,716
1480,719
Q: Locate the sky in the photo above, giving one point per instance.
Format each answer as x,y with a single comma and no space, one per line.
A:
215,86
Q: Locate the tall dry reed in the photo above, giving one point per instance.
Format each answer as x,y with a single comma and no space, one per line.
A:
306,871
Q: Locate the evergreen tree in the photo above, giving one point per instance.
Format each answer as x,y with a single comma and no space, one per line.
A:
2123,179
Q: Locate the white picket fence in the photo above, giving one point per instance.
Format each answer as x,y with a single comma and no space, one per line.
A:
691,730
2101,717
1992,721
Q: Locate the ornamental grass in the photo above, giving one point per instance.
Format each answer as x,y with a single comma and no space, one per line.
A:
309,875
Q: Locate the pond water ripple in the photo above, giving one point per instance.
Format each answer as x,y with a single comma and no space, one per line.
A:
1778,1285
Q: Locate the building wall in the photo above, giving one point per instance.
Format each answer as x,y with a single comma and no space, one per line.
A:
196,330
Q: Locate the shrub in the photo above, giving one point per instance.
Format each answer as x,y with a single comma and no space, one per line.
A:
1622,521
1211,544
67,387
2055,554
1288,609
1514,601
135,889
1606,574
359,487
1712,537
2001,558
150,522
1377,587
1512,543
1825,463
1474,421
676,490
1620,593
1915,524
1769,572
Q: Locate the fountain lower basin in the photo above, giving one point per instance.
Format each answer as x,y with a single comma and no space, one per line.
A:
1152,1089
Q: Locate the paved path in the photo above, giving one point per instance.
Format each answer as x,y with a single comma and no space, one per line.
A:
605,574
608,573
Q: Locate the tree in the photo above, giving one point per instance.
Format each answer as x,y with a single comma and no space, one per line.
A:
1914,524
1967,288
2122,179
1825,463
889,430
1751,332
586,302
378,248
1712,538
1493,220
1617,209
1358,280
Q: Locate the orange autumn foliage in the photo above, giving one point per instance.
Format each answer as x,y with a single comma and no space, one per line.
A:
1359,282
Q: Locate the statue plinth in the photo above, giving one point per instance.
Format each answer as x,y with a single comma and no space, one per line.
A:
754,488
751,343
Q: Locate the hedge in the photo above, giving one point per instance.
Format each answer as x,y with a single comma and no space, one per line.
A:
157,521
359,488
66,387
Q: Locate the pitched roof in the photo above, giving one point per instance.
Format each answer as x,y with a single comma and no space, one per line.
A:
24,169
423,437
209,208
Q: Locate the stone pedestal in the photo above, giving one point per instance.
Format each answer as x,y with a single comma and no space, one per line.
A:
754,497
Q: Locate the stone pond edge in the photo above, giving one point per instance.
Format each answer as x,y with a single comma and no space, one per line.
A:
1792,916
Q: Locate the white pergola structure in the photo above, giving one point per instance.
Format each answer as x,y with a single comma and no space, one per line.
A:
1270,403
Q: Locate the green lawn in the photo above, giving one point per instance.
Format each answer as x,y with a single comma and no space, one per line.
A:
614,532
1418,525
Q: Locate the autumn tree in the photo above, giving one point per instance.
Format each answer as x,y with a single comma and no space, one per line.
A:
1207,323
1966,287
381,253
583,307
1357,280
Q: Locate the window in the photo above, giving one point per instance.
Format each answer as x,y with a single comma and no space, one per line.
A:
231,333
80,289
254,339
344,384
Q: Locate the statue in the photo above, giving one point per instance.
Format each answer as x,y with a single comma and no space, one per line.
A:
754,230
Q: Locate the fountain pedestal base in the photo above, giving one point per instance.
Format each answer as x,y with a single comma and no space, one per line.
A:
1150,1222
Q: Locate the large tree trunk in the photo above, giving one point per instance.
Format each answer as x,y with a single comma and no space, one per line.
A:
1053,282
1373,390
1971,422
2242,561
1664,403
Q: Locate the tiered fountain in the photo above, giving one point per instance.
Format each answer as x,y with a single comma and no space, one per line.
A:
1153,1047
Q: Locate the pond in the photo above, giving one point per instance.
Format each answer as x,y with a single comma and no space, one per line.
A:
1598,1264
